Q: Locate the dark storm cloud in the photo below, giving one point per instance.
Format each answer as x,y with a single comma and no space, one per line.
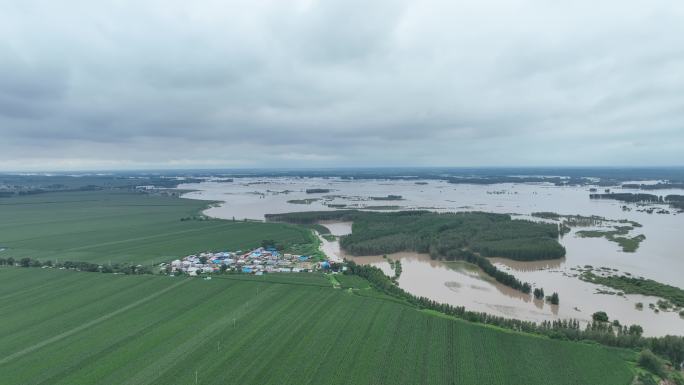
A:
114,84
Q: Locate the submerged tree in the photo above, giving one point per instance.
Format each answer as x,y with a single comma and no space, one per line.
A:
600,316
554,299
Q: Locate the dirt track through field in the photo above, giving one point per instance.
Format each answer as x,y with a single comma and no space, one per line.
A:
86,325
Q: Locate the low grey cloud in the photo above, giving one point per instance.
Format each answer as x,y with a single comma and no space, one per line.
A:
304,83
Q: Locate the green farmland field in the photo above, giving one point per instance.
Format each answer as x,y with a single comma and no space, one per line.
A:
65,327
103,226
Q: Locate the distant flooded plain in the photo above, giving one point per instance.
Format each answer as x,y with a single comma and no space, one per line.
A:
659,257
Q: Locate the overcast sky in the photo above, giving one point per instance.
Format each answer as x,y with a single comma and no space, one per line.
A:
182,84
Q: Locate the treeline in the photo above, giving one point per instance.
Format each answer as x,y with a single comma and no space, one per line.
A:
387,198
120,268
610,334
629,197
657,186
470,237
48,189
487,180
546,215
675,201
317,190
578,220
28,185
310,217
639,198
677,205
491,270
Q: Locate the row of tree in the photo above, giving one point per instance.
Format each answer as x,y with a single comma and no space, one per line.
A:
483,263
121,268
675,201
629,197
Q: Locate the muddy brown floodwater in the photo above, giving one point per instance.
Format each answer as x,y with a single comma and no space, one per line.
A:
659,256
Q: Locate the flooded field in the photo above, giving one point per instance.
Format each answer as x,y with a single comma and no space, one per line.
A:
659,257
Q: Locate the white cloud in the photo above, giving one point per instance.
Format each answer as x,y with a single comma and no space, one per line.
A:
340,83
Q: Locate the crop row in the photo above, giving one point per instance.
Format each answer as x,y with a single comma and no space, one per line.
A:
83,328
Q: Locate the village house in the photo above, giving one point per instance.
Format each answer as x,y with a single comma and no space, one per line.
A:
258,261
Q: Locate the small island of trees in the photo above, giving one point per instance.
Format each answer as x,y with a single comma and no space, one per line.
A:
317,190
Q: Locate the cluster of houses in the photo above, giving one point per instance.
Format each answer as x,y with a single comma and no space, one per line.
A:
257,261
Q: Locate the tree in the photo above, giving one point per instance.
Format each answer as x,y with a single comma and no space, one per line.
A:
25,262
539,293
600,316
651,362
203,260
223,268
10,261
554,299
526,288
636,330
